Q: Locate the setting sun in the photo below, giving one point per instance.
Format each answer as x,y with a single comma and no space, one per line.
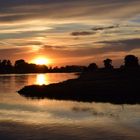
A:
41,61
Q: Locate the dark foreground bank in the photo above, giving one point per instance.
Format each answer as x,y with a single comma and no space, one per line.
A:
115,86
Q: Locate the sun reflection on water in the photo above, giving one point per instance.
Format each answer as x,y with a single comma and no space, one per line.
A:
41,79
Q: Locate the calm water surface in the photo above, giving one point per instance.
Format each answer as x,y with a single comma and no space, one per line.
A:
22,118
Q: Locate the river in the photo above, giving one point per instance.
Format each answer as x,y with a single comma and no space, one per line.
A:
22,118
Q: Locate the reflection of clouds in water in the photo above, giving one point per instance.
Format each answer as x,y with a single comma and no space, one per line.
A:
38,114
96,113
18,130
5,79
82,120
61,112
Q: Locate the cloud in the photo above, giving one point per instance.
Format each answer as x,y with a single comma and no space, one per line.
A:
24,34
29,43
51,22
85,54
13,11
51,47
89,49
83,51
12,53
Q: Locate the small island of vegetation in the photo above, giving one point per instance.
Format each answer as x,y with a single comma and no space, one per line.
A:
108,84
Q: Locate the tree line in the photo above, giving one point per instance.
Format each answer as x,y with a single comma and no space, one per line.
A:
131,62
21,66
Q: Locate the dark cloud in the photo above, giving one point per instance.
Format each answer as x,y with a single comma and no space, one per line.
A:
121,45
95,29
105,28
83,33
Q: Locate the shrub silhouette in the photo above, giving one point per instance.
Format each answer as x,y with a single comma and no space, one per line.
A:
92,67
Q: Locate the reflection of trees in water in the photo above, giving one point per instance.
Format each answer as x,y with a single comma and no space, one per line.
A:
21,80
9,82
6,83
5,78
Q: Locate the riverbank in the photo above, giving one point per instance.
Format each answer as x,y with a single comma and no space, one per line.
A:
115,86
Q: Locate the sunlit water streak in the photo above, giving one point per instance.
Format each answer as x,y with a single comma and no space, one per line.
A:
41,79
23,118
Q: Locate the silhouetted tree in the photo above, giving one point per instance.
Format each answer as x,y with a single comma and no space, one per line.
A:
92,67
9,67
9,63
108,64
4,63
20,62
131,61
20,66
6,66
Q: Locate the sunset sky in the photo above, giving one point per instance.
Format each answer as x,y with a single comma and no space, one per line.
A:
69,31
